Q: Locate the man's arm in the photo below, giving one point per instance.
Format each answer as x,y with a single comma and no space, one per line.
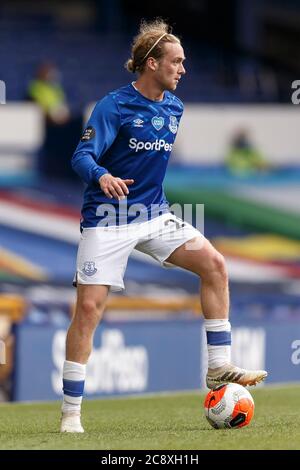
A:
98,136
102,129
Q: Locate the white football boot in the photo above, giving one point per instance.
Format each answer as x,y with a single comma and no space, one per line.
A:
70,422
232,374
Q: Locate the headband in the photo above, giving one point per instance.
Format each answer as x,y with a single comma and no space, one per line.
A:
155,44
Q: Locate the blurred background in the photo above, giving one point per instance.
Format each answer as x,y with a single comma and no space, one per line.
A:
237,152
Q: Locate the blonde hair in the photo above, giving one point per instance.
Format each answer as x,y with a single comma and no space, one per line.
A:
151,39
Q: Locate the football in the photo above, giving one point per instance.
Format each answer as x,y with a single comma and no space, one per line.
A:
229,406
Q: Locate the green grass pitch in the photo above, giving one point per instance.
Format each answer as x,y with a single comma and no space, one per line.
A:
174,421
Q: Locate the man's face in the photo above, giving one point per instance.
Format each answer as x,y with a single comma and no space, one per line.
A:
170,66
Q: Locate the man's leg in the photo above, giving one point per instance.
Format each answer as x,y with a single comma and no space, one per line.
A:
209,264
89,309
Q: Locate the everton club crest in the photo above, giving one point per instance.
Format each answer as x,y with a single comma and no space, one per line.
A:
173,125
89,268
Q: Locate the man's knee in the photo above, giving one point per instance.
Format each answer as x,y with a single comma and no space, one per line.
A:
214,267
219,263
89,312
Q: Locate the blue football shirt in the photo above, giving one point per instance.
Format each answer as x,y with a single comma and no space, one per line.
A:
130,137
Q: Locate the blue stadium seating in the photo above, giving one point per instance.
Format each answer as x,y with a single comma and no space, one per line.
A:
92,64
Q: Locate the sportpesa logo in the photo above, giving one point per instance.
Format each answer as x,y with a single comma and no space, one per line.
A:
158,144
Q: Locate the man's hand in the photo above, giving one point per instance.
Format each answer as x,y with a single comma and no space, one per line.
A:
114,187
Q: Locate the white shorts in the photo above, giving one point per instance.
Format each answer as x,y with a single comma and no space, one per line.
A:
104,251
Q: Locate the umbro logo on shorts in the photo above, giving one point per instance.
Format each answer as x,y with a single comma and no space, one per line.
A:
89,268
